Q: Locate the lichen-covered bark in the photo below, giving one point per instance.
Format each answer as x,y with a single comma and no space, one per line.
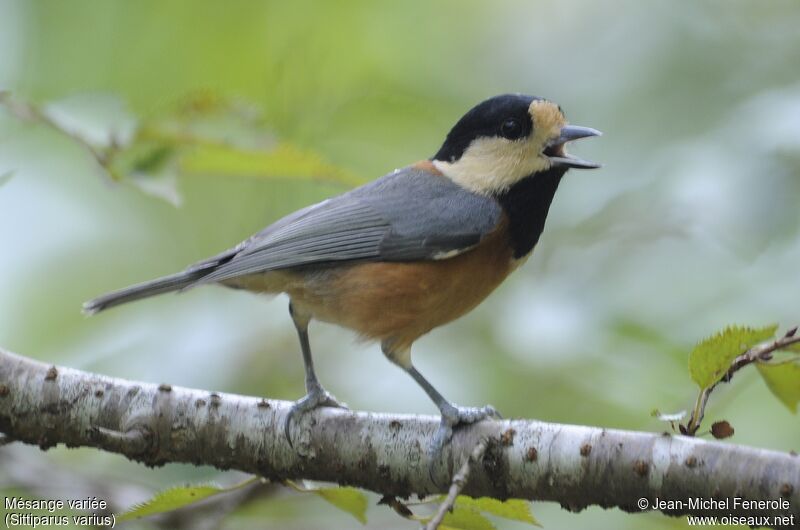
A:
573,465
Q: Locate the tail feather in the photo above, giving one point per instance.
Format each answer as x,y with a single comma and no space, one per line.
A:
173,282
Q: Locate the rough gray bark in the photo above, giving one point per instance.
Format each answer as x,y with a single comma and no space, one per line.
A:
575,466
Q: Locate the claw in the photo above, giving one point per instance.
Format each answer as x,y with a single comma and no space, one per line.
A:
453,417
316,397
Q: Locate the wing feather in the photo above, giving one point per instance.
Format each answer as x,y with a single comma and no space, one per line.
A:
407,215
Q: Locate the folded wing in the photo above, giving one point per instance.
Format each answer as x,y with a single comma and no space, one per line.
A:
407,215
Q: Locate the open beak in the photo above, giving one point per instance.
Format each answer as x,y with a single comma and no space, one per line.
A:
559,157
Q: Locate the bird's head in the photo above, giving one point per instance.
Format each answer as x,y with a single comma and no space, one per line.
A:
506,139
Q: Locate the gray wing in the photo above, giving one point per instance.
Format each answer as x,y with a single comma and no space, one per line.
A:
407,215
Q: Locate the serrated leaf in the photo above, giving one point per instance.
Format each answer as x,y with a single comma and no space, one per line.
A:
350,500
172,499
465,519
514,509
784,381
712,357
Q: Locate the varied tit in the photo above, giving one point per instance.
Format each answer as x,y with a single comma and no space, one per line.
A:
410,251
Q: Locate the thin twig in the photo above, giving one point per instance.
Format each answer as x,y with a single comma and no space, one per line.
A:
31,113
762,352
458,483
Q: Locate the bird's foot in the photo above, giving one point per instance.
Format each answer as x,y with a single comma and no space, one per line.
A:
315,398
452,417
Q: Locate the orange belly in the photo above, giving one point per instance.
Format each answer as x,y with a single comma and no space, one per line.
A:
399,302
393,301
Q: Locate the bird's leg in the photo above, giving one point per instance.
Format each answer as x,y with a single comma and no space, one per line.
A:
316,396
452,414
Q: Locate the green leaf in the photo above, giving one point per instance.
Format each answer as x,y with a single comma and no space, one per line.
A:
281,161
464,519
712,357
783,380
350,500
206,135
514,509
143,157
174,498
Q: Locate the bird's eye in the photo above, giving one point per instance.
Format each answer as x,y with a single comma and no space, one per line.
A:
511,129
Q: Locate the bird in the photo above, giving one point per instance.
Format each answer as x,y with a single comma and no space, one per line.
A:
409,252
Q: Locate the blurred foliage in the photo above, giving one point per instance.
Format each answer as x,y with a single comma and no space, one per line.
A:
467,513
345,498
784,380
178,497
465,519
203,136
692,223
467,509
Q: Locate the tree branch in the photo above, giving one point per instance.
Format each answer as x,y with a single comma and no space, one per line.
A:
576,466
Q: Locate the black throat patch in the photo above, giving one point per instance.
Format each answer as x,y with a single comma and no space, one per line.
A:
526,203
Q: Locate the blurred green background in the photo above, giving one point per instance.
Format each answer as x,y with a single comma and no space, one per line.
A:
692,223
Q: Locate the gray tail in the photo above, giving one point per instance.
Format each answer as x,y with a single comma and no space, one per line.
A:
173,282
